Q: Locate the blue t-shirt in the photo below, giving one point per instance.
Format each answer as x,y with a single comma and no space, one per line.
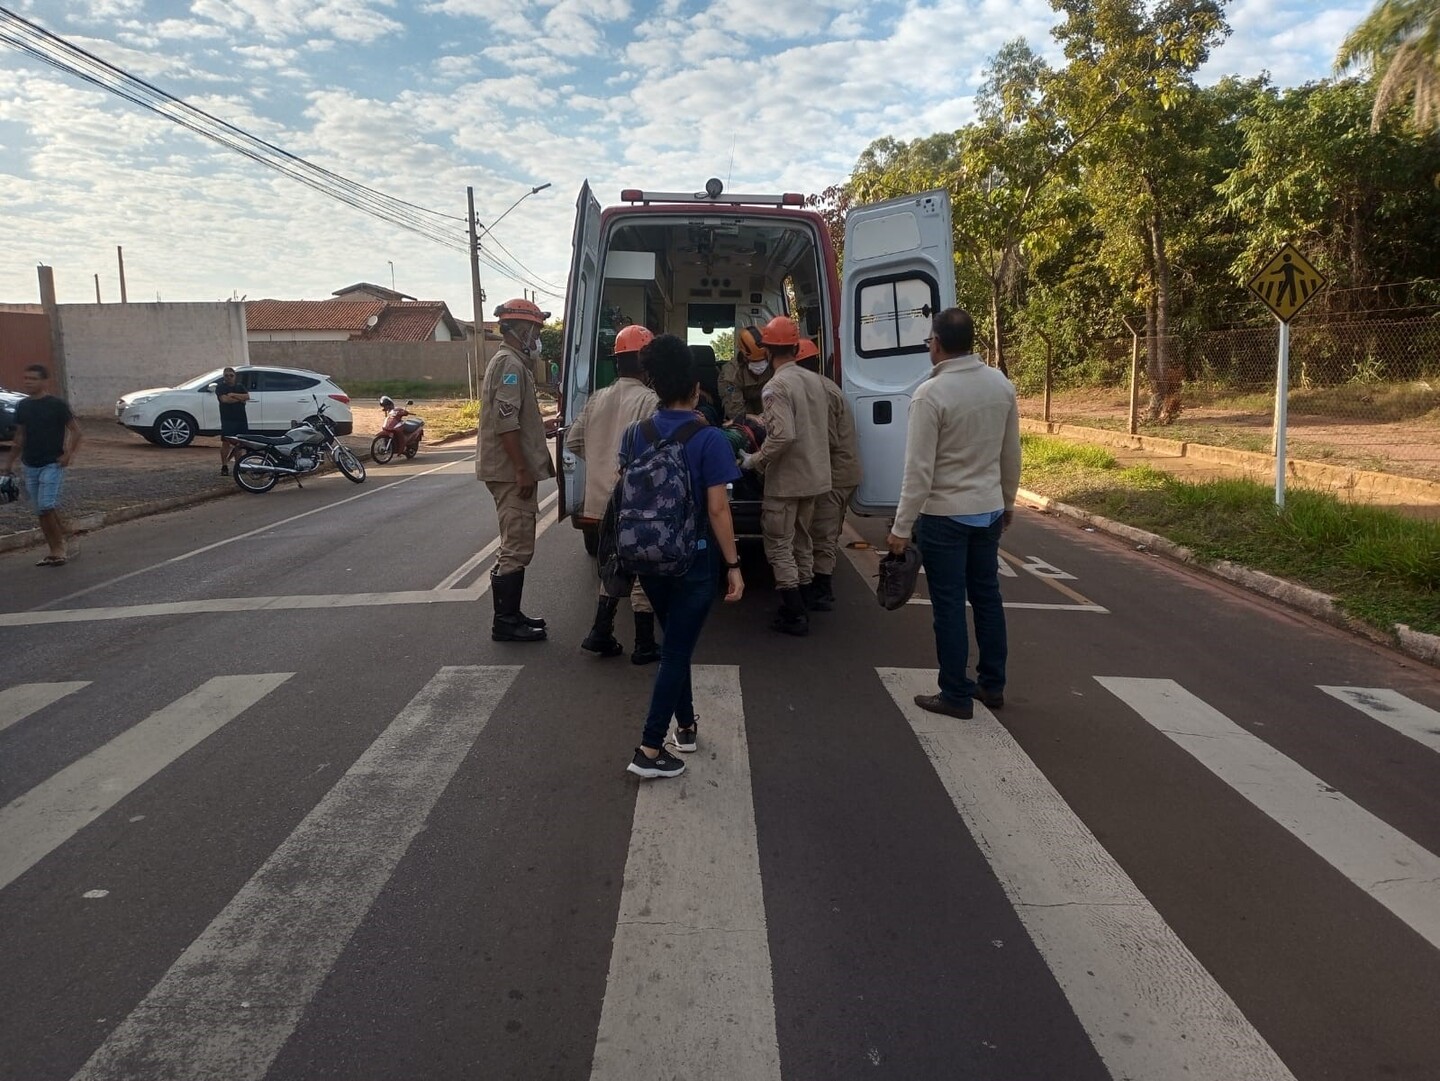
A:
708,454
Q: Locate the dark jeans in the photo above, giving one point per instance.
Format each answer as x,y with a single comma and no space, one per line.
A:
963,560
681,604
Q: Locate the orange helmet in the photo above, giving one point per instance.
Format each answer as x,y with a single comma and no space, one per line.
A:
747,345
632,339
520,310
781,331
807,350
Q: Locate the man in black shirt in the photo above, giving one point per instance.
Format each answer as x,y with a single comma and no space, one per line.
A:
41,424
232,417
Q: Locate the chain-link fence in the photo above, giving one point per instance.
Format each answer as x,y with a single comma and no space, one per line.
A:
1364,394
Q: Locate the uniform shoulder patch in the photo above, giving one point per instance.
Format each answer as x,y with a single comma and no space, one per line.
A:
505,409
510,379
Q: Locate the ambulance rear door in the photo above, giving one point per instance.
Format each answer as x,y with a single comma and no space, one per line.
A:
899,271
582,309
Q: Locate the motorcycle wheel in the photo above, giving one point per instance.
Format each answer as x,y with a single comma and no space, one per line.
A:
350,465
413,449
255,481
383,449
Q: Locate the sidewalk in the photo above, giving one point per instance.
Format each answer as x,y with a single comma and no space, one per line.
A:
1197,463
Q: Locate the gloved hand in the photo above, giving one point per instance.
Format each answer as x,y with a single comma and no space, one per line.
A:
747,461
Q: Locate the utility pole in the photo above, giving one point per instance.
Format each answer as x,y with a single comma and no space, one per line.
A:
57,339
477,296
97,288
120,255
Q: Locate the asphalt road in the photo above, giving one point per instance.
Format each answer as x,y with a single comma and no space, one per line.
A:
272,805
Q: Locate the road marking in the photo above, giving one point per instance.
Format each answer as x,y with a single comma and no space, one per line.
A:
18,702
1382,861
250,533
35,824
1409,718
1148,1005
227,1006
1059,587
689,992
457,575
297,602
1035,606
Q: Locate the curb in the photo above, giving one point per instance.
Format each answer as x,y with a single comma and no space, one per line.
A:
455,437
1322,606
86,523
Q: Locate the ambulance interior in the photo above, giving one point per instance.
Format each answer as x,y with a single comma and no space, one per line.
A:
692,276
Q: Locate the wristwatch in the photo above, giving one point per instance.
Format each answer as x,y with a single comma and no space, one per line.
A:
733,566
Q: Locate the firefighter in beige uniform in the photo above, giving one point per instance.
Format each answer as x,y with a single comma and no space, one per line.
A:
829,516
595,438
511,458
742,380
796,459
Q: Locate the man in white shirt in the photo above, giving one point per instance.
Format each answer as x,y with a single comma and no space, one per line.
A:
962,469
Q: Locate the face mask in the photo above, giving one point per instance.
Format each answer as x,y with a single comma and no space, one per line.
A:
759,369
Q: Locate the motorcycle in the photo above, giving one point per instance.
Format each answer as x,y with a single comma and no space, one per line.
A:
399,435
303,449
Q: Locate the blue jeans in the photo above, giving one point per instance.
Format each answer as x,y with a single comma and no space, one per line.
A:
44,482
681,604
963,560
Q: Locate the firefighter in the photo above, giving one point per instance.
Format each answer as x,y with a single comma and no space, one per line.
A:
595,438
795,458
829,516
743,378
512,459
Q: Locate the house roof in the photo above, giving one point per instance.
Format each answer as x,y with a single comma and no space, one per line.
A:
276,315
411,321
370,287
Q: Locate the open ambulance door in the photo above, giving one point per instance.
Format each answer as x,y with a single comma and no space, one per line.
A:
899,272
582,310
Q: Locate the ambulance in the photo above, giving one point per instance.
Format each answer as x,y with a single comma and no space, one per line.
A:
696,263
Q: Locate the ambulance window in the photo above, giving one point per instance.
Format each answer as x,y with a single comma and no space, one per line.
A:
893,314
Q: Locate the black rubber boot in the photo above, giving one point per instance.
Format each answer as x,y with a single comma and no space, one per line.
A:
822,597
646,651
601,640
791,619
532,621
807,596
509,626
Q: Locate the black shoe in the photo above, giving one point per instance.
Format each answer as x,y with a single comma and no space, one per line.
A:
791,619
663,765
933,703
684,738
601,640
990,699
822,594
646,651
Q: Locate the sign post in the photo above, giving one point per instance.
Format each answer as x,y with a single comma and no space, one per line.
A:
1284,285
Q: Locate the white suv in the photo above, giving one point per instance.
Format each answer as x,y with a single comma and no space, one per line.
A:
174,416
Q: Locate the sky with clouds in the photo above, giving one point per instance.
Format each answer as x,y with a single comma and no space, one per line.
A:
419,98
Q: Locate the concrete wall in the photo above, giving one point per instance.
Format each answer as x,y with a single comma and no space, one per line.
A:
437,362
111,349
299,335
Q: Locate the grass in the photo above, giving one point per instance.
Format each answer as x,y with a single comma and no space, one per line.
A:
1381,567
401,389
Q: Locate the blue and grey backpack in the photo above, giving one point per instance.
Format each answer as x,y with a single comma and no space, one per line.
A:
655,525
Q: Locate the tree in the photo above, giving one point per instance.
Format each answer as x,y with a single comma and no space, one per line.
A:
1400,42
724,345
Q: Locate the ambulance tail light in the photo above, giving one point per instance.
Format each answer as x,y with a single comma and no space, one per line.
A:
632,195
792,198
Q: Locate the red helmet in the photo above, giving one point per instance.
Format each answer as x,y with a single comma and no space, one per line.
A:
632,339
807,350
520,310
747,345
781,331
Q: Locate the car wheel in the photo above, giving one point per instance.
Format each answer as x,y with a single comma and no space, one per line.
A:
175,430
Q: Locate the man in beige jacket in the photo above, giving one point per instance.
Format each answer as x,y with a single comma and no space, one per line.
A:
795,458
595,439
962,470
829,517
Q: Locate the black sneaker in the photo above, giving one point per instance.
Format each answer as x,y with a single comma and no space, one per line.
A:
663,765
684,738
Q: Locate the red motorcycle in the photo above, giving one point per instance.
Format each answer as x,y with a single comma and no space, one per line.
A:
401,434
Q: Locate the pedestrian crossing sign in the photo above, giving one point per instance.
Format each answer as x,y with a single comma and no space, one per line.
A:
1286,283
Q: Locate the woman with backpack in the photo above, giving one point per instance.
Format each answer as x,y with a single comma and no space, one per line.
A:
682,601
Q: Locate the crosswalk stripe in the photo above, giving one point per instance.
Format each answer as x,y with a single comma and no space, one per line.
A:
1409,718
1382,861
227,1006
18,702
1148,1005
33,825
692,927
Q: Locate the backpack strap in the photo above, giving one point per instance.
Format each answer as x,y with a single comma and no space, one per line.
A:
684,433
